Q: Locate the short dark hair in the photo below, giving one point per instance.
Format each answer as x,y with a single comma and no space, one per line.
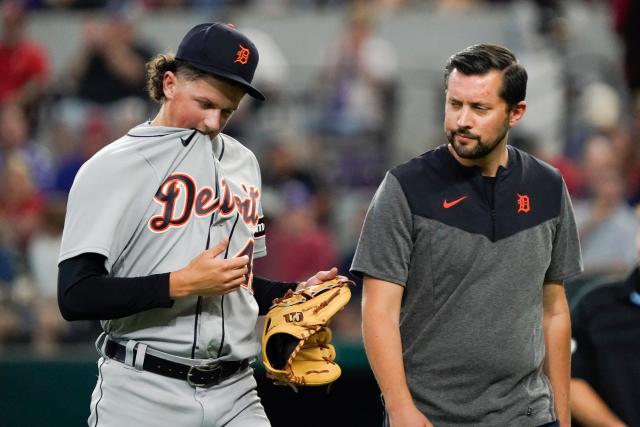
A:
479,59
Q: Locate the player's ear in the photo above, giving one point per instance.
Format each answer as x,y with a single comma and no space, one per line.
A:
169,82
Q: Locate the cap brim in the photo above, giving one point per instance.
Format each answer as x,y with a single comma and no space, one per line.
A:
234,79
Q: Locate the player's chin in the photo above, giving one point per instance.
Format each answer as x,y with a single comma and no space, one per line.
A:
208,132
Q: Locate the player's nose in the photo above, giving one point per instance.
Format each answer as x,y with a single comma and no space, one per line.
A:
213,121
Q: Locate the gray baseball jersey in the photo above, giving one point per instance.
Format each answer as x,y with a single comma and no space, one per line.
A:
152,201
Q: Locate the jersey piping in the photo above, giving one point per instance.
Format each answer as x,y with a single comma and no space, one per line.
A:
101,392
148,136
199,302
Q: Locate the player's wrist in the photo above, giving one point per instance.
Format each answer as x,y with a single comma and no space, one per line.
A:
176,285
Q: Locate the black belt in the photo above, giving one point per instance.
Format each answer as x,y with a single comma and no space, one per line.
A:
196,375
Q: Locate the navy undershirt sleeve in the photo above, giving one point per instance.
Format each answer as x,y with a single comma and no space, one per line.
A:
87,292
265,291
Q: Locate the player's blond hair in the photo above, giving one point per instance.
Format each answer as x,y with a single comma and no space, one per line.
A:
160,64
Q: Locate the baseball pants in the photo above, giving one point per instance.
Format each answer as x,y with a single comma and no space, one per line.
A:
125,396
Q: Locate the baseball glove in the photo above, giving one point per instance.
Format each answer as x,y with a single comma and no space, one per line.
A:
296,341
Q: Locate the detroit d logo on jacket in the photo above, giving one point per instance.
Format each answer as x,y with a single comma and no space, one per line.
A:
181,198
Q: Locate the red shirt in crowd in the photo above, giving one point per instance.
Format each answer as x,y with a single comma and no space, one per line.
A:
20,64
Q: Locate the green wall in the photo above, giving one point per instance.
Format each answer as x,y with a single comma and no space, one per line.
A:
56,392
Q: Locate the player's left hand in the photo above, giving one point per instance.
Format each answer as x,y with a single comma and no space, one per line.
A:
319,277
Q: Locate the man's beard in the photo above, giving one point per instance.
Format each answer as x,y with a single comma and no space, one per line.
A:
480,149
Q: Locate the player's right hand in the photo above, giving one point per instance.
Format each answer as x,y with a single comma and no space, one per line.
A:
409,416
207,274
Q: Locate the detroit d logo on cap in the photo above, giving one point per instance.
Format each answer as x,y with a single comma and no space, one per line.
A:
242,55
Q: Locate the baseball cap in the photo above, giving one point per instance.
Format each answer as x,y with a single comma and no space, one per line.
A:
221,50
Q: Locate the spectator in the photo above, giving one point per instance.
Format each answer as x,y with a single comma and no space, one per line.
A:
606,224
630,154
69,4
73,153
284,167
9,321
360,80
20,209
8,317
20,204
353,210
24,63
626,14
358,101
458,5
15,140
111,65
298,244
288,162
570,169
42,256
164,4
109,68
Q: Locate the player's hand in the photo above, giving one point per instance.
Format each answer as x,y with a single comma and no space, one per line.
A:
207,274
319,277
409,416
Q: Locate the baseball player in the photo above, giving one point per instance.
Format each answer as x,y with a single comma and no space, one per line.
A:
161,230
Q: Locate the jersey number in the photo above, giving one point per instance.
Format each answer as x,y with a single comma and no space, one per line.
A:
248,251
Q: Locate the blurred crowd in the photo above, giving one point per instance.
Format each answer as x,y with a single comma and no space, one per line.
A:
274,5
319,170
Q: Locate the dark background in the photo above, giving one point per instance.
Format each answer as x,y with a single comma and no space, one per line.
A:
48,392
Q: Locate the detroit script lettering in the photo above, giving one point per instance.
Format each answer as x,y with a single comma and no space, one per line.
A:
177,211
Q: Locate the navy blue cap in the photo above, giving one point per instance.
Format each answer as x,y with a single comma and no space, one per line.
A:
223,51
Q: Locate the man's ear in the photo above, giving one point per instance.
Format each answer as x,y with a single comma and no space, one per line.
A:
169,82
517,113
